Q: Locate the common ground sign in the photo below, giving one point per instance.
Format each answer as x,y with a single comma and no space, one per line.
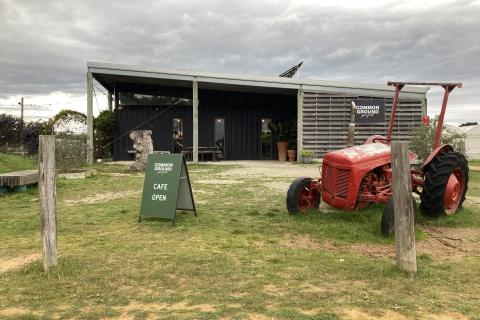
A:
369,111
166,187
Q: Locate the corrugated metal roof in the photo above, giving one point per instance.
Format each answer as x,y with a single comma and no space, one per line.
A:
249,80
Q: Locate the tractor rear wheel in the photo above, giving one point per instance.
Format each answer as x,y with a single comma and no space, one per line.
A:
388,217
299,198
445,184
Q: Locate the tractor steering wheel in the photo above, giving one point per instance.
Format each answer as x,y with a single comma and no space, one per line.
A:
377,138
381,139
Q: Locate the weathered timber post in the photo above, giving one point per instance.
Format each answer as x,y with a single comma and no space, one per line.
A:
47,194
351,126
143,146
403,208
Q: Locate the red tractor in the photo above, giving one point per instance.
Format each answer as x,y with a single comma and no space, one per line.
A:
361,175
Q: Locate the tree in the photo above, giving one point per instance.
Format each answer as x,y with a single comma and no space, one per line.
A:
424,136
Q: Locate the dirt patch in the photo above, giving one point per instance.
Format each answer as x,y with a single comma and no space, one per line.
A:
472,200
442,243
103,197
443,316
278,185
310,288
17,262
200,170
451,242
273,290
309,312
219,181
305,242
252,169
474,168
14,312
118,174
358,314
180,306
256,316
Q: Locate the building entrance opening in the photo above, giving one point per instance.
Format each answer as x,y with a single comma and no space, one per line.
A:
266,139
219,136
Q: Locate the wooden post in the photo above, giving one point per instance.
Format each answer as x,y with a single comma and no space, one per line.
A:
351,134
299,124
351,126
89,118
195,120
403,208
47,195
21,109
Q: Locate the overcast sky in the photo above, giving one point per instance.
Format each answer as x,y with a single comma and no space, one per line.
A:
44,45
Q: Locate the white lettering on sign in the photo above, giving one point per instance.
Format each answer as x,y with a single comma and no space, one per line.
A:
163,167
159,197
160,186
366,111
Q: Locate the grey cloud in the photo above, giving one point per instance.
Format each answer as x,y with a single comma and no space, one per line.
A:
45,44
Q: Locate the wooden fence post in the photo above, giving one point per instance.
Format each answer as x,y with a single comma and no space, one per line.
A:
351,126
403,208
47,194
351,135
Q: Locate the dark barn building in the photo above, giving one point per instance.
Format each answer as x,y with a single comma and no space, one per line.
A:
194,112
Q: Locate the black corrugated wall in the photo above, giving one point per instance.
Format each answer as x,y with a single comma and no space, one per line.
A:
242,113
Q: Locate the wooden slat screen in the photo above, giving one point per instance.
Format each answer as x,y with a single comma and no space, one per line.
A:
326,117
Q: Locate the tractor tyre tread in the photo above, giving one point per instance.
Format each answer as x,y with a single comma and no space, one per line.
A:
293,192
435,181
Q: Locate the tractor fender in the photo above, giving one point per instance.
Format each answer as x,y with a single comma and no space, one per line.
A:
436,152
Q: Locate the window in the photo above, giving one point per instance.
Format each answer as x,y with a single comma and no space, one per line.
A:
219,136
137,99
177,135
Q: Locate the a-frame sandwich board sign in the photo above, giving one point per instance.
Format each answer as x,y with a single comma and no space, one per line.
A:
166,187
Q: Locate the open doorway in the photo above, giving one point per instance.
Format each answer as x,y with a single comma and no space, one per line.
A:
177,135
219,136
266,140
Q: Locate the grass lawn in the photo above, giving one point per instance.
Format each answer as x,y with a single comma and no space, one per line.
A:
9,163
243,257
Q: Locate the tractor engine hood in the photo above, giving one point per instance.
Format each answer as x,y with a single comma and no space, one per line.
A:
363,154
360,155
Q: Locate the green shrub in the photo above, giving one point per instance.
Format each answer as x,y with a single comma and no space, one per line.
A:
307,154
424,136
104,134
10,131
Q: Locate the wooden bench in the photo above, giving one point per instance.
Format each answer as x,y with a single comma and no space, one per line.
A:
17,180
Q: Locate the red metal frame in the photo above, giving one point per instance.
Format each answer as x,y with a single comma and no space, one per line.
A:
447,86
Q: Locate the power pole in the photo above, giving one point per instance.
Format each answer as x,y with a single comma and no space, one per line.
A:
21,108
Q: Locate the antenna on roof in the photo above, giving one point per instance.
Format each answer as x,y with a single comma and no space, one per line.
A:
291,72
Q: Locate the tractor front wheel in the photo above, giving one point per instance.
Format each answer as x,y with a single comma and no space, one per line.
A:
445,184
388,217
300,198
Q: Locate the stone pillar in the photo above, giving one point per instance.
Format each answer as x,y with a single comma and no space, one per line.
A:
143,146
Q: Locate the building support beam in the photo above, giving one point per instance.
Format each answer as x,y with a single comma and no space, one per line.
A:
299,124
109,97
195,120
89,118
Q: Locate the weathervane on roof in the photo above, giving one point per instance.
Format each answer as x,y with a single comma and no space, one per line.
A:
291,72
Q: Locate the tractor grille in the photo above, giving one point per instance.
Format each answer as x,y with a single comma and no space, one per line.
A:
335,181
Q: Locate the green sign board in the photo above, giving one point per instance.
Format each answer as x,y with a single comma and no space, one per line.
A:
166,187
